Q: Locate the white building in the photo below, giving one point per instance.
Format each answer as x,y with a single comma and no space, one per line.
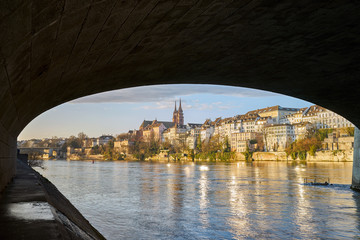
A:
193,132
301,129
320,117
240,141
175,134
278,136
102,140
276,112
207,130
206,133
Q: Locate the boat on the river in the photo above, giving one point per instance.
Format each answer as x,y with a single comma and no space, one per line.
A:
315,182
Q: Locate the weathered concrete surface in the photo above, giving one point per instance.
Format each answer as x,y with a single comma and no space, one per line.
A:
356,161
7,156
57,50
32,208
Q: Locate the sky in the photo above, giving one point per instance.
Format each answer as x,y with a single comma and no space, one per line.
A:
119,111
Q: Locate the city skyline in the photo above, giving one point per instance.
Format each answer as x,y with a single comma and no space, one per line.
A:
118,111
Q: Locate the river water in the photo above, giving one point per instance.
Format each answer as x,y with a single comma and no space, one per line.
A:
259,200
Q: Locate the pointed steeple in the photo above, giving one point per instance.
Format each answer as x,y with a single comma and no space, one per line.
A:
175,114
180,115
180,109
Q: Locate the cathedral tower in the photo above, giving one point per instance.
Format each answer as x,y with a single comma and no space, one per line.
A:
178,115
175,114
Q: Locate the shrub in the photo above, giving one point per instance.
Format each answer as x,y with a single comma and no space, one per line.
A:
335,152
312,150
302,155
247,154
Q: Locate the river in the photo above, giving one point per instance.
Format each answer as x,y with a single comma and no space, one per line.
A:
259,200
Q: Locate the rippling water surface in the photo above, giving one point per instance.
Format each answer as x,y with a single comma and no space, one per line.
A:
260,200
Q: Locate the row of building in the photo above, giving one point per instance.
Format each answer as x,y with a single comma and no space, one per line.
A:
269,129
276,127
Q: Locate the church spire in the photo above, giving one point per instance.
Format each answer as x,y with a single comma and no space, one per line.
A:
178,115
180,109
175,114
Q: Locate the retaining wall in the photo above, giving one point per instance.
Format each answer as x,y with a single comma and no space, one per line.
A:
320,156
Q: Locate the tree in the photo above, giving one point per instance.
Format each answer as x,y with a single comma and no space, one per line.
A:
321,134
226,145
154,145
198,144
81,136
36,163
265,135
73,141
300,147
248,154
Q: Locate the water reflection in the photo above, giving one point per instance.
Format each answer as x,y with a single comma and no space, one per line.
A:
203,201
133,200
238,220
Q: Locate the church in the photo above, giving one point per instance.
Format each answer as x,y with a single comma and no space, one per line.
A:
158,127
178,115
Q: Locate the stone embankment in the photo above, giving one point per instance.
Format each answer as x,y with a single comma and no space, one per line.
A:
31,207
320,156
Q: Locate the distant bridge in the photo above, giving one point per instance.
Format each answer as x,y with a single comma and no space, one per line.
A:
41,150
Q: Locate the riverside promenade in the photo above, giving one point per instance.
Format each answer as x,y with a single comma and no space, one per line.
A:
31,207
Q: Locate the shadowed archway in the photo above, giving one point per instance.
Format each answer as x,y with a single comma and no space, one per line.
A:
56,51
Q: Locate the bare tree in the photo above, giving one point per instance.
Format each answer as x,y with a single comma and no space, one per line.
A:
36,163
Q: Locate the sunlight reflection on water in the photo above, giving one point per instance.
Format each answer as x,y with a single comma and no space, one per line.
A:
139,200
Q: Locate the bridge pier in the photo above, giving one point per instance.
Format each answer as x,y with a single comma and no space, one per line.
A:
356,161
7,157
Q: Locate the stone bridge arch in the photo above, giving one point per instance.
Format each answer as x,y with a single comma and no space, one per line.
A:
58,50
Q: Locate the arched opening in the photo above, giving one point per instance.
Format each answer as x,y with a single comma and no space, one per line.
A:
153,189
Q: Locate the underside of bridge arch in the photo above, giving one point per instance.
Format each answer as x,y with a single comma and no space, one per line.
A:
57,50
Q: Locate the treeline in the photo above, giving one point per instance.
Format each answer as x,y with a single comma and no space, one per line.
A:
146,149
107,150
211,150
74,142
214,149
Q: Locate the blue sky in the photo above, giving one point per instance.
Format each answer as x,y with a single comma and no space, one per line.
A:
118,111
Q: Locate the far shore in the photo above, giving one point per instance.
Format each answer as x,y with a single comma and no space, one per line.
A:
320,156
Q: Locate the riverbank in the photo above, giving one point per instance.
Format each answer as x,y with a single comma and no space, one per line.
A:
320,156
31,207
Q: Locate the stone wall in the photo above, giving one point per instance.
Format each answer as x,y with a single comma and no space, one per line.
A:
7,157
332,156
321,156
270,156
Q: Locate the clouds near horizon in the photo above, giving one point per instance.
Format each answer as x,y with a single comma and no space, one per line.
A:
118,111
168,93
